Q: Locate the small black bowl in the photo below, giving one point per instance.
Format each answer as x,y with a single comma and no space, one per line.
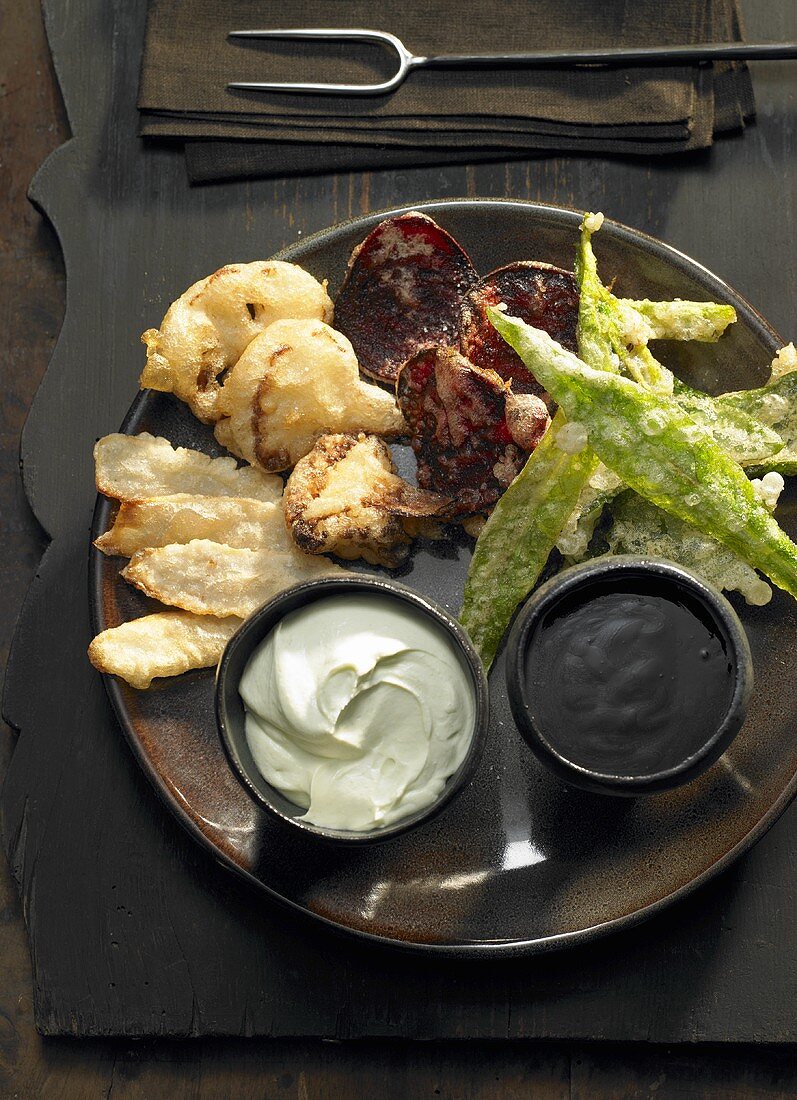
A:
230,714
618,574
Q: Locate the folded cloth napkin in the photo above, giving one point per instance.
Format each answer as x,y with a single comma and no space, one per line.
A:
437,115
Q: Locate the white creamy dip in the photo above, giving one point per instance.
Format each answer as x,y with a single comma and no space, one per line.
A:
358,708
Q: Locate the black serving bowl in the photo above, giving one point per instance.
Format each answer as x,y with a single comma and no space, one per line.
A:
618,574
230,714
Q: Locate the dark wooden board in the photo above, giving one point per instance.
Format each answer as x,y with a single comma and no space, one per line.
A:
133,929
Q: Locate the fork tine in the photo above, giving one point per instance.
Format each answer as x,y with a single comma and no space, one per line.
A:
383,38
341,34
305,32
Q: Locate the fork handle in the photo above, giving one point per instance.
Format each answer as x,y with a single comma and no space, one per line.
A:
641,55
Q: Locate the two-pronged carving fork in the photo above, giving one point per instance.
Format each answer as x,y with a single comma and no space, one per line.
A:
409,62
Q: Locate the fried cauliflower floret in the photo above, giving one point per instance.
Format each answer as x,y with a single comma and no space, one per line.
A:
297,381
205,331
345,498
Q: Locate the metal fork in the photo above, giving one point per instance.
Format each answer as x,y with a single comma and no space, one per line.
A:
407,62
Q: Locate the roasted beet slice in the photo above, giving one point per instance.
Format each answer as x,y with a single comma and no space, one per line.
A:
402,292
544,296
457,417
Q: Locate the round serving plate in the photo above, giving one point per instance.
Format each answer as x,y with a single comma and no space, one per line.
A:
518,863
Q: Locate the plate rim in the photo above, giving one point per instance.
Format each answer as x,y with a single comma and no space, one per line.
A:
465,950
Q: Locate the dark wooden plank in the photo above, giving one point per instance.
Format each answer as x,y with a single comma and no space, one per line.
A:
135,930
311,1070
671,1073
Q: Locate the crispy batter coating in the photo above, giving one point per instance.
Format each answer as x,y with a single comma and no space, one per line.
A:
163,521
345,498
165,644
297,381
205,331
137,467
209,578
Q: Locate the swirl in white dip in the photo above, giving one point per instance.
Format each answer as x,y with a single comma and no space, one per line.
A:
358,709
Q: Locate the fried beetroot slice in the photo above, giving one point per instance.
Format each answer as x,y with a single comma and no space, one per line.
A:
402,292
457,417
541,295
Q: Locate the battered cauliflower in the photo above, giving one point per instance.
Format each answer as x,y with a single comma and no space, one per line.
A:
345,498
205,331
295,382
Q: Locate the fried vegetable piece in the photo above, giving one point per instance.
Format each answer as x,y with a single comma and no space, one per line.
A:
774,404
136,467
518,537
785,362
205,331
297,381
469,436
402,292
677,320
163,521
527,419
747,439
209,578
345,498
165,644
743,436
544,296
639,527
601,489
658,450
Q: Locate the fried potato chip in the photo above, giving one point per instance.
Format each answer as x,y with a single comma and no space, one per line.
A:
295,383
471,435
137,467
164,521
545,297
211,579
402,291
165,644
346,498
207,328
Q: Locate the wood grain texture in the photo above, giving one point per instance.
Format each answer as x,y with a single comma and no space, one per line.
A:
133,930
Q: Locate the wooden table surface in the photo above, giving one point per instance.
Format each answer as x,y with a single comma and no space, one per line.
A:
32,123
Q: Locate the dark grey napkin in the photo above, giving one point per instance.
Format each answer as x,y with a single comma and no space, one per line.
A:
437,116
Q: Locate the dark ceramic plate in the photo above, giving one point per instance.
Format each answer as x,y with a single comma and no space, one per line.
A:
518,863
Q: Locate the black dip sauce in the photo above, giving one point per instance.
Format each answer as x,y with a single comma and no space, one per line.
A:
628,678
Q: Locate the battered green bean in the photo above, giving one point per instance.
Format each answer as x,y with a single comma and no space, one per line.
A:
745,437
775,405
517,539
639,527
679,320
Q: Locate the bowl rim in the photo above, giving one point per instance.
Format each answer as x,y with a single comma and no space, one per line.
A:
264,619
583,576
